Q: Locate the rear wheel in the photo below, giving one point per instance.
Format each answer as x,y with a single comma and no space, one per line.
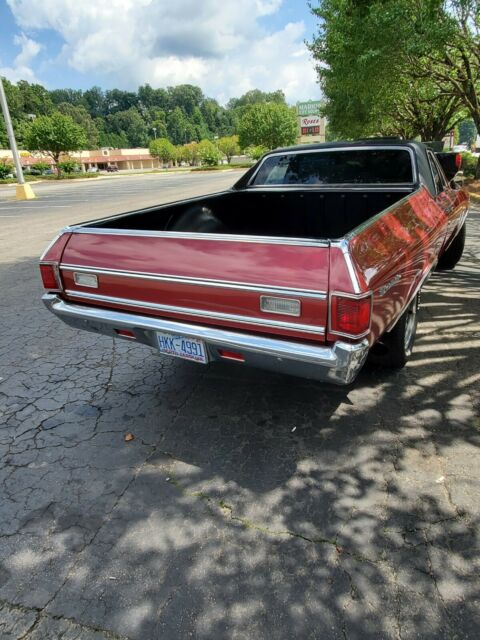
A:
395,348
452,255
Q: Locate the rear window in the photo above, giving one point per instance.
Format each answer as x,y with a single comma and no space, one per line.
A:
366,166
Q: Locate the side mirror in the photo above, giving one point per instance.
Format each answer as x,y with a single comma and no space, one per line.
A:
450,163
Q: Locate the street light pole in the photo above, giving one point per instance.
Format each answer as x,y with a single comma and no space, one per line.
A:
24,191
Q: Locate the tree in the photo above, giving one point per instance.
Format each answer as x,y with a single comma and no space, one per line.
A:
113,140
68,166
94,99
163,149
229,146
269,124
256,152
467,133
186,97
72,96
180,129
80,115
54,135
255,96
35,98
208,152
117,100
367,73
369,53
189,153
218,119
131,125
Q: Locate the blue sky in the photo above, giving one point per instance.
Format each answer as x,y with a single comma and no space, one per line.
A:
225,46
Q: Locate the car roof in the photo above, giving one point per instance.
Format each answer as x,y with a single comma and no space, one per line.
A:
364,142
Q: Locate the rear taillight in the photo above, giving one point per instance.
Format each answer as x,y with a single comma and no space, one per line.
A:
458,160
350,315
50,276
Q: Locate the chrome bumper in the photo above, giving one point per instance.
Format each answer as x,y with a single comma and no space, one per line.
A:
339,363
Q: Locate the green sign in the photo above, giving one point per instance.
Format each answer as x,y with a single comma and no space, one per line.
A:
311,108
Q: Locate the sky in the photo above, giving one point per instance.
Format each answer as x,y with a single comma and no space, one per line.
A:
226,47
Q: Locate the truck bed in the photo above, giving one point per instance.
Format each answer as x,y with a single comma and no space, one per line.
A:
300,213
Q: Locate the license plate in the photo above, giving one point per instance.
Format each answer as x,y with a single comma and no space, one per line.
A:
182,347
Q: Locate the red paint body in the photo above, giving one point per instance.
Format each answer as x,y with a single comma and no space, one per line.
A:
390,258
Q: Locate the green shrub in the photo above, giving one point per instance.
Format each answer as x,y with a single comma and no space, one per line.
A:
256,152
40,166
68,166
469,164
209,153
5,169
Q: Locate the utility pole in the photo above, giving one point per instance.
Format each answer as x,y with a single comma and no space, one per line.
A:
24,191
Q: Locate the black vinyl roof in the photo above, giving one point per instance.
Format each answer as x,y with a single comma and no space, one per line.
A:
365,142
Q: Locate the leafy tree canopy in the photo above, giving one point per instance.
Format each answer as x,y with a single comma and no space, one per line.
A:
229,146
269,124
408,67
163,149
54,135
80,115
117,118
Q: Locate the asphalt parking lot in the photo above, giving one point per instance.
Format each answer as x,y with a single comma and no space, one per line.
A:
248,505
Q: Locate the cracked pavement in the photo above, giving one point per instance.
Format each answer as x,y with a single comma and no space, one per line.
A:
249,505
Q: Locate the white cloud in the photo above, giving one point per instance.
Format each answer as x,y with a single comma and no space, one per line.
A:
21,69
219,45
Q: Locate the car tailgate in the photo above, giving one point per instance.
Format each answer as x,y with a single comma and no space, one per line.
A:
207,280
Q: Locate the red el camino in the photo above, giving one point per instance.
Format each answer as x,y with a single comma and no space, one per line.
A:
314,259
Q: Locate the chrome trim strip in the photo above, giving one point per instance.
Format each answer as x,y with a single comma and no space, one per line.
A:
197,313
365,147
57,237
185,235
344,248
327,188
222,284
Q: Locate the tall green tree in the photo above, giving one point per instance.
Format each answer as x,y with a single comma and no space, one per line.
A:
229,146
94,99
54,135
180,129
80,115
384,64
163,149
269,124
131,125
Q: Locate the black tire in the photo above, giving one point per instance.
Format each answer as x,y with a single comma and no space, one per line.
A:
452,255
394,349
